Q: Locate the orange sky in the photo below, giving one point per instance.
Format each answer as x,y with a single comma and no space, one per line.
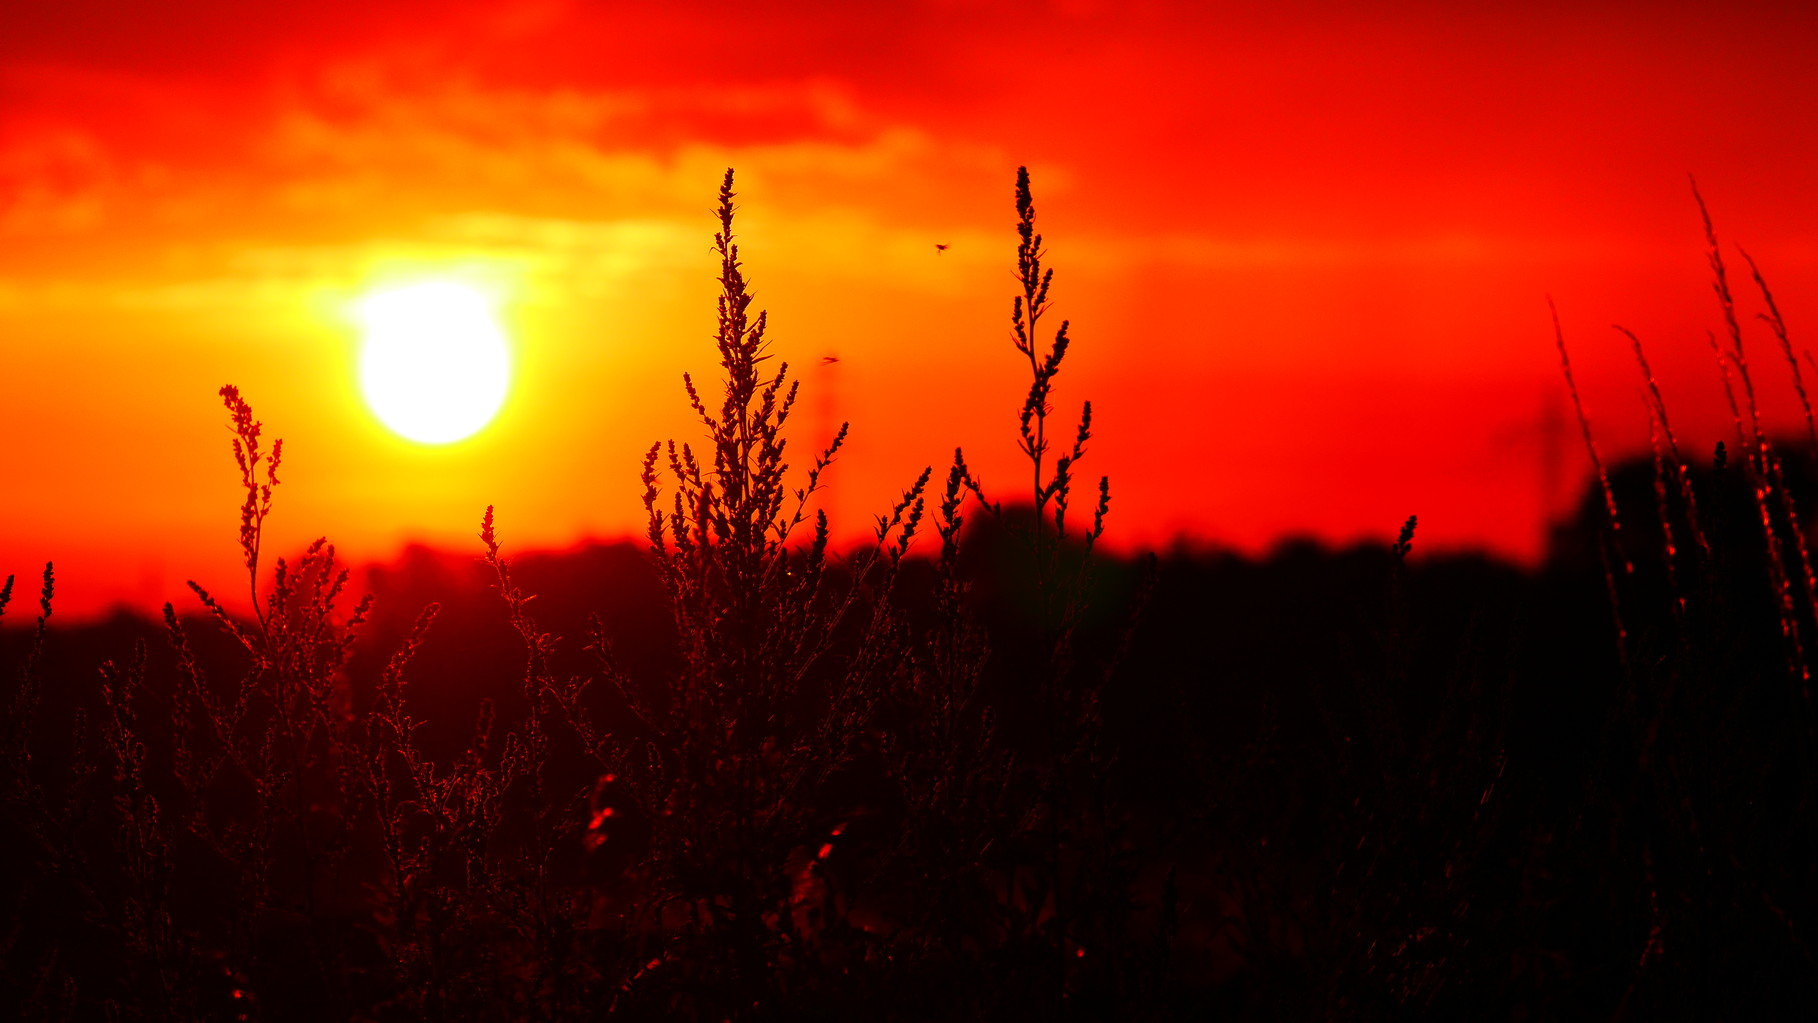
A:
1305,248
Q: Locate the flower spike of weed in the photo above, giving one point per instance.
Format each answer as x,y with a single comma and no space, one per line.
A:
1720,285
1404,541
1729,388
1584,429
1613,539
1049,485
1664,517
1658,415
1769,485
1777,324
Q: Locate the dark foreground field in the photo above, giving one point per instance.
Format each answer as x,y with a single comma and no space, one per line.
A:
1324,783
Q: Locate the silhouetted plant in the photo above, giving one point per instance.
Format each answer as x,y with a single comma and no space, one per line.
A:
1710,743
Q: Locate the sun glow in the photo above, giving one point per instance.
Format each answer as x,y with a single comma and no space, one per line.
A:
434,363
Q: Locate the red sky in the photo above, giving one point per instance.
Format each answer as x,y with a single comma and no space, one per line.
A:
1306,250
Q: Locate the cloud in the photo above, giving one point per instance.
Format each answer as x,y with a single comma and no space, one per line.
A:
354,166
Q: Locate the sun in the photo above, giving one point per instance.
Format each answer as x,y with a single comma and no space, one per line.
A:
434,363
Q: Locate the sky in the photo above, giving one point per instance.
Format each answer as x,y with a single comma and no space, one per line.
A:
1305,249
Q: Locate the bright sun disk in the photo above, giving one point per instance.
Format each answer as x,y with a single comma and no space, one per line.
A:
434,364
